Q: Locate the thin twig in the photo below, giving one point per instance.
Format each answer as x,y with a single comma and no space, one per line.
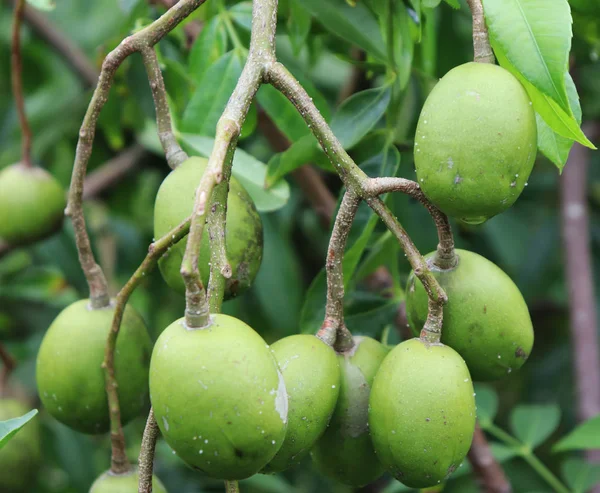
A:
485,466
119,461
173,152
146,458
9,364
579,273
261,55
147,37
481,40
17,83
333,330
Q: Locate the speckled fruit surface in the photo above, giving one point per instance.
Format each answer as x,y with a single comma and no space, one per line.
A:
243,238
476,142
218,396
311,374
486,318
422,412
345,451
69,376
32,203
123,483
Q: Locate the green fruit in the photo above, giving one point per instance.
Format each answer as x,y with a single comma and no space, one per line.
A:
422,412
20,458
476,142
123,483
32,204
311,374
244,233
486,319
70,378
218,397
345,451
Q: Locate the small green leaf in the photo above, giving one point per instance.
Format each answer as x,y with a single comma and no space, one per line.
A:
358,114
455,4
313,309
532,424
248,170
208,48
241,13
585,437
487,404
430,4
10,427
46,5
357,25
298,24
208,101
535,36
580,475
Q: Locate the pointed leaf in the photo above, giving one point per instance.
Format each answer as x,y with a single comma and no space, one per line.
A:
585,437
532,424
455,4
487,404
208,48
580,475
536,36
10,427
298,24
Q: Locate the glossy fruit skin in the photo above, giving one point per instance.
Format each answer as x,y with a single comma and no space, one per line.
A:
345,451
311,374
476,142
218,396
32,204
486,319
70,379
21,456
244,232
123,483
422,412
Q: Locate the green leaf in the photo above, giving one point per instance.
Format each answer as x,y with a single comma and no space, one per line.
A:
10,427
430,4
358,114
532,424
580,475
298,24
46,5
559,121
455,4
487,404
313,309
208,101
554,146
357,25
249,171
241,13
585,437
535,36
208,48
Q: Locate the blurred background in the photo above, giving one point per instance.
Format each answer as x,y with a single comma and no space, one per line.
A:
39,280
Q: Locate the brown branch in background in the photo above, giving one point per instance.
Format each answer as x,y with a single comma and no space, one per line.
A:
487,470
481,40
358,77
17,83
8,365
146,458
579,276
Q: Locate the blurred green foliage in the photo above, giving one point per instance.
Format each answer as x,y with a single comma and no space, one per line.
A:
288,295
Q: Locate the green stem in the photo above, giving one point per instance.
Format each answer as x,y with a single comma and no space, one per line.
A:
232,487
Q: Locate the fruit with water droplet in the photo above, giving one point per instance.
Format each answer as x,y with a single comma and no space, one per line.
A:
32,204
218,396
422,412
311,374
243,238
123,483
69,372
486,319
476,142
20,457
345,451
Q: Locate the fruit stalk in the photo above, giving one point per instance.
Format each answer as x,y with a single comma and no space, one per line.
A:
173,152
333,330
261,56
17,82
146,458
119,462
481,41
147,37
232,487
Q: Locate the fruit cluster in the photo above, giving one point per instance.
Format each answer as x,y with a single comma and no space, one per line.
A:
231,406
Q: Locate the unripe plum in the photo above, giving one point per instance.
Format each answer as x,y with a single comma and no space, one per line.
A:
69,372
218,396
243,238
476,142
422,412
123,483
